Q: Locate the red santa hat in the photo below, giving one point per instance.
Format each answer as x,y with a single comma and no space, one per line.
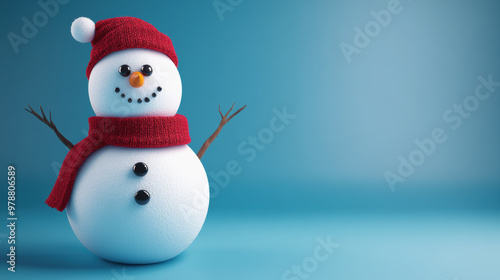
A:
116,34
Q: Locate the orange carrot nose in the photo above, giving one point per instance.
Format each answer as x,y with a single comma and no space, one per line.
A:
136,79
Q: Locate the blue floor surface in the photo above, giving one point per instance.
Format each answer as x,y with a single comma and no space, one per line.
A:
407,246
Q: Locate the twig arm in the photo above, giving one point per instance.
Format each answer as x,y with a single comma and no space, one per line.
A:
50,124
225,119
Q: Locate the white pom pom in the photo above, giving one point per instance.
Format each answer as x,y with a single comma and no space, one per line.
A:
83,29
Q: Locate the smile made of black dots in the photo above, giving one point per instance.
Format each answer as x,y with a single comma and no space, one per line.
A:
139,100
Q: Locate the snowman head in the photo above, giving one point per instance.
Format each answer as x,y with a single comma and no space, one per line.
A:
133,68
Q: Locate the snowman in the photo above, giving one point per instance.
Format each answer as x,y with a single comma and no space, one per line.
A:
134,191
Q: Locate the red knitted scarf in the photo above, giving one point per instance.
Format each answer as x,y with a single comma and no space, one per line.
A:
138,132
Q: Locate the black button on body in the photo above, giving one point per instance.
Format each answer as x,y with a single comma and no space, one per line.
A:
142,197
140,169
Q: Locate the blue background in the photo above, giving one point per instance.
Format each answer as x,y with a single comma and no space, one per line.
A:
323,175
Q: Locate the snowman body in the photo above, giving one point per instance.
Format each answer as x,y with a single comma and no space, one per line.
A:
110,223
104,211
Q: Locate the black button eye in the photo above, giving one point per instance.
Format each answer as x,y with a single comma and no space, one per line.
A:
146,70
124,70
